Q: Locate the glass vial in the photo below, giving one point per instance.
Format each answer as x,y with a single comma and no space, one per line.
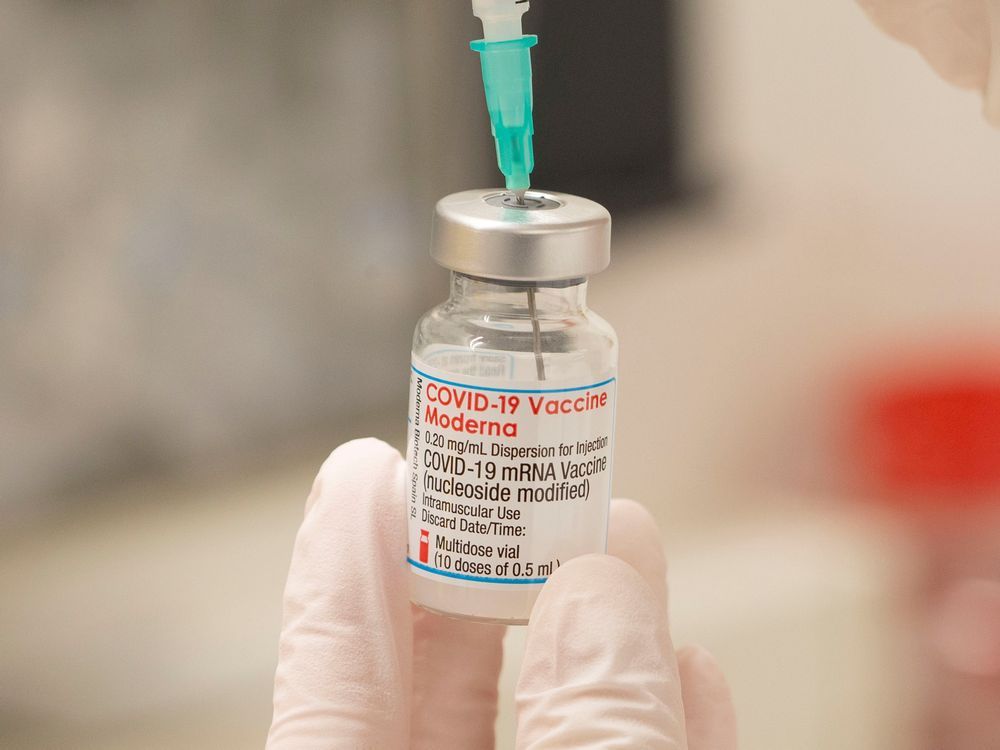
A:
512,398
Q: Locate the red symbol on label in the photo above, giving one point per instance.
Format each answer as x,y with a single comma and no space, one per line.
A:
425,543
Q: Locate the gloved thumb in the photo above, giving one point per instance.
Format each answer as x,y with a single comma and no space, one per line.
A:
599,669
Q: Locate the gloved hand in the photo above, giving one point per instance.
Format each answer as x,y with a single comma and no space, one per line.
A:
360,667
959,38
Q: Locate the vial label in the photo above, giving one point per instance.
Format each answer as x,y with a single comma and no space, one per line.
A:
506,480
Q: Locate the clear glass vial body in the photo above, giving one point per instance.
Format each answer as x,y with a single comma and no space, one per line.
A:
533,335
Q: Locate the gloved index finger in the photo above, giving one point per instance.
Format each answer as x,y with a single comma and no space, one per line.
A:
599,667
344,663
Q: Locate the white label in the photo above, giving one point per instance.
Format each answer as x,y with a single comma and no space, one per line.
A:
506,481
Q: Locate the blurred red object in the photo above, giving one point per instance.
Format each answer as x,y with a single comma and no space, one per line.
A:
928,440
933,439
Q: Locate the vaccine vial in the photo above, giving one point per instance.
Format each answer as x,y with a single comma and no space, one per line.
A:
512,403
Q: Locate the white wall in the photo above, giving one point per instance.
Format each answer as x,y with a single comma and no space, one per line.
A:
861,214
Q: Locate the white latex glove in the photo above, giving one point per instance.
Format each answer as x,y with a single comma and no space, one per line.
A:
959,38
359,667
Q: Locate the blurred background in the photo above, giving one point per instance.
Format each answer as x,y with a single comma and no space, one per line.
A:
214,221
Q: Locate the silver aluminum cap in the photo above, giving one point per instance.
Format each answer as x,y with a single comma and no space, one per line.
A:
552,237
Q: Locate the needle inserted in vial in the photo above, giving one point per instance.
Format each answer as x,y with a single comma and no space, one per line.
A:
519,196
536,334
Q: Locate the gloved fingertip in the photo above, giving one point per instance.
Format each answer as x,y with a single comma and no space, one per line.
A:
634,520
597,663
699,663
633,536
599,570
589,612
708,701
360,458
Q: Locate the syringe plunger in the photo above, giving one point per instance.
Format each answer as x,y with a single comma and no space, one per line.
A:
501,18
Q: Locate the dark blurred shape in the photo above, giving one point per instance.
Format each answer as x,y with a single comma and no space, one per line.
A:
607,101
214,225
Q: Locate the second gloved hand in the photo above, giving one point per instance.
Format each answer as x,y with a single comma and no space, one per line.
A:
959,38
360,667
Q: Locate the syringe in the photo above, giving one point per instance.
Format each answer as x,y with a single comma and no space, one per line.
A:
505,56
